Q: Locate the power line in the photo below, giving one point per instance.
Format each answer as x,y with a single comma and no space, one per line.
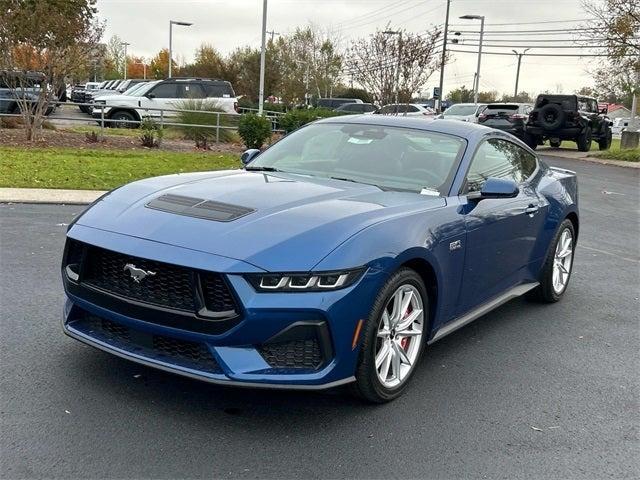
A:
529,23
475,52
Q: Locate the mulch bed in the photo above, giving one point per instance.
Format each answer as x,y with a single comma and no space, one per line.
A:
65,139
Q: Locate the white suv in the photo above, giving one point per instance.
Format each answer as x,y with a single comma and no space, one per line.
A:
148,100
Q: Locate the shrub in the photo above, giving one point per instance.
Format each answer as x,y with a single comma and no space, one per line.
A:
150,133
91,137
294,119
201,112
254,130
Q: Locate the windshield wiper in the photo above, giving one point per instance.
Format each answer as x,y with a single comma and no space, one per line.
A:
344,179
262,169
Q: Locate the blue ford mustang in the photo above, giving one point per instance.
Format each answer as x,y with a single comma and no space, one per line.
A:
334,257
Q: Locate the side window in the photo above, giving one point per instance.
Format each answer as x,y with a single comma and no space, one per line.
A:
219,91
500,159
165,90
583,105
190,90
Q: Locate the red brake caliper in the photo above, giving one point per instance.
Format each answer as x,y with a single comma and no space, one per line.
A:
404,343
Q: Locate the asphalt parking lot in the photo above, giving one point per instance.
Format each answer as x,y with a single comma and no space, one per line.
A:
528,391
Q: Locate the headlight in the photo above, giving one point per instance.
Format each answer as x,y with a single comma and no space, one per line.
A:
304,282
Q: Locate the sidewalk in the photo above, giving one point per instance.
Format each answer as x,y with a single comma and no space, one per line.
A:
576,155
47,195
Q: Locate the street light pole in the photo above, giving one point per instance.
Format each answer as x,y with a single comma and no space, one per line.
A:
171,24
520,55
477,85
263,52
125,45
444,56
399,33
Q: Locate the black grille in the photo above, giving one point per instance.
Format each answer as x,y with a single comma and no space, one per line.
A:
159,347
217,296
302,354
165,285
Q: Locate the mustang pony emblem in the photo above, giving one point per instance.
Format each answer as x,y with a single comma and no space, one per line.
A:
137,273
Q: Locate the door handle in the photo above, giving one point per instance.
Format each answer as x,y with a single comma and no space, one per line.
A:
531,210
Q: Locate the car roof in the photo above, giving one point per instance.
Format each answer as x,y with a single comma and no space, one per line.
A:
451,127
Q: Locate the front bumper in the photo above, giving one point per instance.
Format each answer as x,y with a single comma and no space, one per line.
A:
278,340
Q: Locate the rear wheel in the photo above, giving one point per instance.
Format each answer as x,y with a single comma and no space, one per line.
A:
557,268
393,338
584,140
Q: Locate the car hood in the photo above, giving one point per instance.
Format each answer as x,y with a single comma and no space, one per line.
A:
281,222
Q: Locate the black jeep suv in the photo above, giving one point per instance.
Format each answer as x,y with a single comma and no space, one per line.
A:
567,117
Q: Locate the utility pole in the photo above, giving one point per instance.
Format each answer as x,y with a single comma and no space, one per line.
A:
520,55
477,85
444,56
273,34
125,45
262,57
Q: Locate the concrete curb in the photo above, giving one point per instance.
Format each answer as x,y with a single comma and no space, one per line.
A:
46,195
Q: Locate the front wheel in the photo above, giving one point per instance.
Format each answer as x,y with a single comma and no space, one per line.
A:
122,119
393,338
530,140
604,143
557,268
584,140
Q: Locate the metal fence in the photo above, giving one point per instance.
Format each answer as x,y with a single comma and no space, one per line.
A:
164,117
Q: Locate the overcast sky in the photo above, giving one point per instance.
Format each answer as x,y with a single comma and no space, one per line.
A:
227,24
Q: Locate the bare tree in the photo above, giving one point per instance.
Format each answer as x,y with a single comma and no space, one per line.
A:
615,24
60,37
374,63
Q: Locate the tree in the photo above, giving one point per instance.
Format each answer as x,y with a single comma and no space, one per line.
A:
354,93
208,63
487,97
136,67
460,95
114,58
616,25
60,37
159,65
522,97
373,62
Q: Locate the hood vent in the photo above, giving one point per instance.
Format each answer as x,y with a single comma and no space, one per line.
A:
198,208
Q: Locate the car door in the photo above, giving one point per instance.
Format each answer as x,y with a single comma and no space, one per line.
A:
501,232
162,96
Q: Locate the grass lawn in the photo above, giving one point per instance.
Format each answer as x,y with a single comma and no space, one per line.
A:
99,169
614,153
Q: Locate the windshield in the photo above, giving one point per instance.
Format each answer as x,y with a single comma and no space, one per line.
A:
389,157
145,88
134,89
461,110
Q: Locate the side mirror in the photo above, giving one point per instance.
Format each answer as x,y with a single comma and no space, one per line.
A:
495,188
249,155
604,110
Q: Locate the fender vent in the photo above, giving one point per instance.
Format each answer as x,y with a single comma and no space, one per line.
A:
198,208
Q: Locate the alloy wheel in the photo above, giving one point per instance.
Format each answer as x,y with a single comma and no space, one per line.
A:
562,261
399,336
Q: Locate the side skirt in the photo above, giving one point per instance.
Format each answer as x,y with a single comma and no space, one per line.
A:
469,317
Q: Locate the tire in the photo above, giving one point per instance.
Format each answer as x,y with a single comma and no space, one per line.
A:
369,385
604,143
551,116
547,291
584,140
555,144
530,140
122,115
